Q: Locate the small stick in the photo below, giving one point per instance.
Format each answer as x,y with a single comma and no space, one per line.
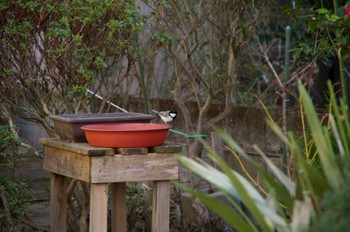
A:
109,102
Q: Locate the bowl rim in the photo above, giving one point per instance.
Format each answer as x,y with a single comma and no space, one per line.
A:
111,127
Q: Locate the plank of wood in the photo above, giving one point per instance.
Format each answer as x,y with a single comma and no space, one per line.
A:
124,168
134,150
119,209
166,148
98,207
81,148
67,163
58,213
161,206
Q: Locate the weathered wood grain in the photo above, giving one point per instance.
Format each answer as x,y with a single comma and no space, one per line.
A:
123,168
98,207
67,163
161,206
129,151
58,214
166,148
81,148
118,207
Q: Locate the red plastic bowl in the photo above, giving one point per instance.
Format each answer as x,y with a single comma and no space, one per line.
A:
126,134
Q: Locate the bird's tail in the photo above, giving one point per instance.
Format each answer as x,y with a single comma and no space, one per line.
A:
154,111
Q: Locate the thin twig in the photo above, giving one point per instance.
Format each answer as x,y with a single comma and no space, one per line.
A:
109,102
31,224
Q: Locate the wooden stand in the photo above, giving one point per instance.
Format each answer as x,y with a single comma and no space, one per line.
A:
103,166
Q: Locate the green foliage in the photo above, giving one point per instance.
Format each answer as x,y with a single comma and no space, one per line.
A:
8,146
327,30
162,38
137,209
285,203
14,194
335,210
61,48
18,195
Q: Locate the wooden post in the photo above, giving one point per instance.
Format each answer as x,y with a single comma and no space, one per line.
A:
119,209
58,196
161,206
98,207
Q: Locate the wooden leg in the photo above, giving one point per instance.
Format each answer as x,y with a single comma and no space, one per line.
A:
161,206
98,207
119,210
58,197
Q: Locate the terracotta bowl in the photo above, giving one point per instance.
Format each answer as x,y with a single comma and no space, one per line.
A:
122,135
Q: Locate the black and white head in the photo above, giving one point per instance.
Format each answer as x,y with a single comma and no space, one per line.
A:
167,116
173,113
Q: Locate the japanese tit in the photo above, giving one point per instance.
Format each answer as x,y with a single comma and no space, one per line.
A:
166,116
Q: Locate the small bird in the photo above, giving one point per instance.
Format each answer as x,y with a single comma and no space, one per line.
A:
166,116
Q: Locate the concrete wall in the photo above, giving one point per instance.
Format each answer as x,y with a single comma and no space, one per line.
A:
246,124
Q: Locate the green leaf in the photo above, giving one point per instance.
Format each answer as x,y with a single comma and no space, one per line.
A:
326,152
302,214
333,17
287,183
244,188
344,130
316,180
322,11
238,187
271,182
222,210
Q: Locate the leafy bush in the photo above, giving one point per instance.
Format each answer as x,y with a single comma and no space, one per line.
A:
137,209
8,146
14,194
335,212
327,28
52,51
325,34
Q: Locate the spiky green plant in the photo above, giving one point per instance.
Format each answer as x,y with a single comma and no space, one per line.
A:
288,203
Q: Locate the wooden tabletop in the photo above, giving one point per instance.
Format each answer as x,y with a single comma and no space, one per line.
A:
86,149
81,148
